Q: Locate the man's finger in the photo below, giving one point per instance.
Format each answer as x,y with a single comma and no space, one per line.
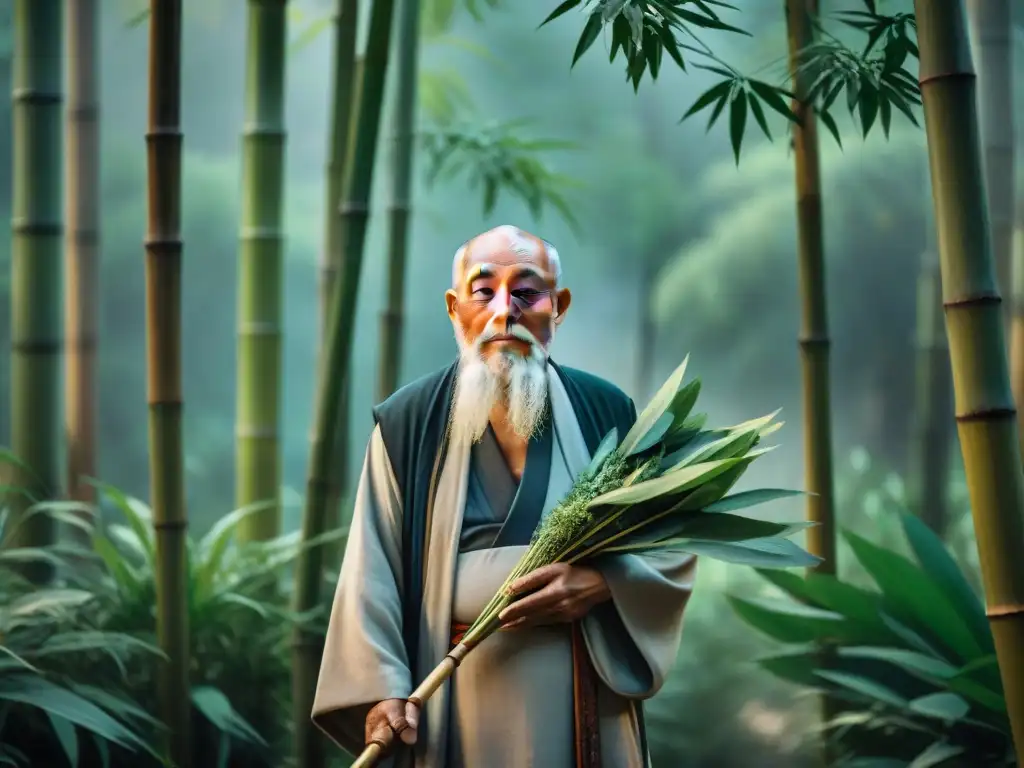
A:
532,603
412,719
535,579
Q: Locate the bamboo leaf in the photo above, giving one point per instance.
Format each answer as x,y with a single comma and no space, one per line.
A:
588,36
745,499
659,404
604,450
914,595
829,123
789,622
943,571
654,435
796,667
771,96
670,484
758,112
936,753
710,96
218,710
865,687
943,706
760,553
737,122
918,664
66,737
565,7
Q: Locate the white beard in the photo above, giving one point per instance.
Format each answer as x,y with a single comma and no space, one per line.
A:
520,382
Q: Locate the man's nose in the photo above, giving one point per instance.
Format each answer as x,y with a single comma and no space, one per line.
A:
506,309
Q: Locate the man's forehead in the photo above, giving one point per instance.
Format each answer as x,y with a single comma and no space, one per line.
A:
503,247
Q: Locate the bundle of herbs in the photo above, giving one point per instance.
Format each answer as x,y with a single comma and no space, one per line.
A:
663,487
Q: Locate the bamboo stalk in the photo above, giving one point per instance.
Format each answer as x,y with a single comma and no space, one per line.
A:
334,374
36,258
164,394
1017,324
814,334
345,71
991,25
933,419
392,317
261,266
81,249
986,419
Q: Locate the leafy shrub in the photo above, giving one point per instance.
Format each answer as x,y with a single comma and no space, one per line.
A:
911,665
47,638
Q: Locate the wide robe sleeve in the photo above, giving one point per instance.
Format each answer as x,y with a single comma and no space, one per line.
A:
364,658
634,637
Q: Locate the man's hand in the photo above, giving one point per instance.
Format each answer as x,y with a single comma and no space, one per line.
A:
564,593
392,717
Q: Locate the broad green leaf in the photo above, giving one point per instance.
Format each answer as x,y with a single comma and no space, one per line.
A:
674,483
745,499
943,705
52,699
758,553
913,596
916,663
658,405
794,667
789,622
864,687
653,435
943,571
66,737
218,710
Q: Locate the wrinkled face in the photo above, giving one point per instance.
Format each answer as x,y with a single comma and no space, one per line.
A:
504,286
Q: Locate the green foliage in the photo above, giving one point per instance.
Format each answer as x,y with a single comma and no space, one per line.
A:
495,158
238,620
48,637
873,79
911,662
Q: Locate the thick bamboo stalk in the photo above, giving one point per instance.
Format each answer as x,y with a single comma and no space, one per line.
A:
261,267
399,208
334,373
339,147
991,23
814,334
1017,324
934,416
36,260
81,249
163,352
986,419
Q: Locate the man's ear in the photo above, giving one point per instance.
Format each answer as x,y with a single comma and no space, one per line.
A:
563,299
450,300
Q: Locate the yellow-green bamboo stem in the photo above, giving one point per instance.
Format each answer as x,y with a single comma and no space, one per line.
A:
257,453
339,146
986,419
81,248
814,335
934,416
1017,323
163,351
334,373
991,23
399,208
36,259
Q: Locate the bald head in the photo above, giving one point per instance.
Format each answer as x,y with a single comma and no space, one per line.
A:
504,244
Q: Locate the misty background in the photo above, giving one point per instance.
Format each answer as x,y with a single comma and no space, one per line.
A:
678,251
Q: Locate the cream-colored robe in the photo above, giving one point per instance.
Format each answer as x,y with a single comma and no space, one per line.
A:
510,703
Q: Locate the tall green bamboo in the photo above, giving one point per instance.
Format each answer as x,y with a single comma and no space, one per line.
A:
334,373
163,352
814,335
261,266
985,415
1017,322
81,249
392,317
991,23
933,420
344,73
36,258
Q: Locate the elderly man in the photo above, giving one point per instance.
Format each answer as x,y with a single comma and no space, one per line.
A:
460,468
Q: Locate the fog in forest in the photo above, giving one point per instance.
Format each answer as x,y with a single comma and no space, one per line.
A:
678,250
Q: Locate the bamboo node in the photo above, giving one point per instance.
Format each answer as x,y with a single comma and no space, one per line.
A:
83,112
167,246
352,208
987,414
266,234
248,432
32,97
170,525
37,228
159,133
259,328
928,79
37,346
1006,611
987,298
814,340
